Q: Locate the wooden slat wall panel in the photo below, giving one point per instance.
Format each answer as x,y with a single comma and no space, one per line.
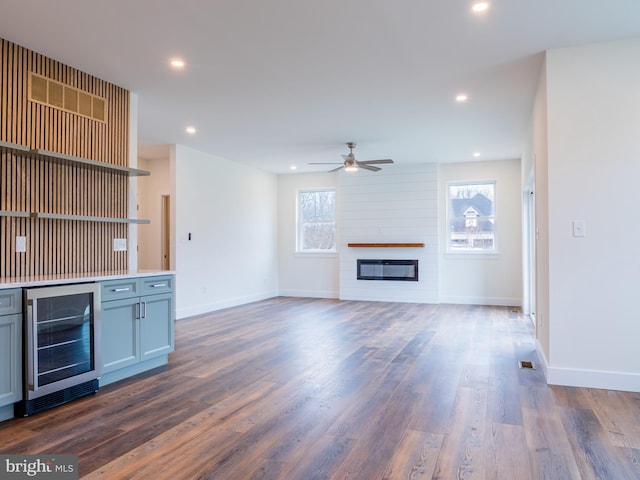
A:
33,185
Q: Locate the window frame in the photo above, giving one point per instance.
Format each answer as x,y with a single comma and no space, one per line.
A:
450,251
299,224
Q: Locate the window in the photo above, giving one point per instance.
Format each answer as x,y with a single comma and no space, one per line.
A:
471,217
316,221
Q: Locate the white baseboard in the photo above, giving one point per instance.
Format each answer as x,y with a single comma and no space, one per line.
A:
543,358
494,301
308,293
231,302
575,377
359,297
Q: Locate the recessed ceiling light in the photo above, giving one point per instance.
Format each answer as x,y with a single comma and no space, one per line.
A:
479,7
462,97
476,154
177,63
292,167
191,130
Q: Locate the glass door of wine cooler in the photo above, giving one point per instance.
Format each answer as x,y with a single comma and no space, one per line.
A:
63,337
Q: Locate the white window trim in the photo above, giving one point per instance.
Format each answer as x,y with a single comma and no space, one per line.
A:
451,253
317,252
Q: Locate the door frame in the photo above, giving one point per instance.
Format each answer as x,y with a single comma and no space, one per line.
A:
165,228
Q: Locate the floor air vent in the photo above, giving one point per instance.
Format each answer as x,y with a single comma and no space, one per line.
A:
526,364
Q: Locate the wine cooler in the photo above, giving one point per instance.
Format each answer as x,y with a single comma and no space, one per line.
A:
62,345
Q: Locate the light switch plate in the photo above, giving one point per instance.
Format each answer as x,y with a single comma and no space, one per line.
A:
579,228
119,244
21,244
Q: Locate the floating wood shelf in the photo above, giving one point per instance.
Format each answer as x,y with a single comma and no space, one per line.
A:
385,245
81,218
14,148
90,218
12,213
69,160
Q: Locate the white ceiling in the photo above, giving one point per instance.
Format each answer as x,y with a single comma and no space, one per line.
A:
282,82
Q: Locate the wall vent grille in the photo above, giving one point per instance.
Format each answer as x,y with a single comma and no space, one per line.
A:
54,94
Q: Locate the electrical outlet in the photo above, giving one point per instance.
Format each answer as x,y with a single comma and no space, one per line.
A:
21,244
119,244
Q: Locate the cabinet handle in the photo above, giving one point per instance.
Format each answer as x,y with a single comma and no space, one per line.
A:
144,310
156,285
121,289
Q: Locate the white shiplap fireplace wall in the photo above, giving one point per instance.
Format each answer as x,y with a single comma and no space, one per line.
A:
395,205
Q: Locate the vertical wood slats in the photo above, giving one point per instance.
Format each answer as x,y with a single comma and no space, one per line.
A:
32,185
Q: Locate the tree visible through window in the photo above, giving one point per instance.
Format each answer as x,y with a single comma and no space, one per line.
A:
471,217
316,220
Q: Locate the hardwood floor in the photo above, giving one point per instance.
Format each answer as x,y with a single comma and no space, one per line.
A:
309,388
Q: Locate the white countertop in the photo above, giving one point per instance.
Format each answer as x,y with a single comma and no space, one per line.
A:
49,280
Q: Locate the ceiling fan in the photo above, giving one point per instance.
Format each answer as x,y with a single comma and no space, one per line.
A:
350,163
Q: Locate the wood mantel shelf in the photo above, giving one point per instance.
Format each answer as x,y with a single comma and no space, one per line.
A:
385,245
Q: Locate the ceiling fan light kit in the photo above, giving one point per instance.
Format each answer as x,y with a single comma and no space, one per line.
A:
352,167
350,163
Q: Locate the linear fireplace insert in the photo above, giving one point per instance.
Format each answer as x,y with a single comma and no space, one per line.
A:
373,269
62,358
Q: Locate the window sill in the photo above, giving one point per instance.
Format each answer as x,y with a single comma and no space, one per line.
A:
316,254
470,254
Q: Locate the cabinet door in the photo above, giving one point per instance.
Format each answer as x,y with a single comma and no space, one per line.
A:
120,334
156,325
10,359
10,301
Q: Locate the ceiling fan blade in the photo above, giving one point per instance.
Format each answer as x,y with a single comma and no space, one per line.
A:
368,167
370,162
350,162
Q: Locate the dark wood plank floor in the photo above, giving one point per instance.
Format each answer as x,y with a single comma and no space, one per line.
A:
308,389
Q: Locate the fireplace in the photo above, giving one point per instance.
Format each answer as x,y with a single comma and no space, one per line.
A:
399,270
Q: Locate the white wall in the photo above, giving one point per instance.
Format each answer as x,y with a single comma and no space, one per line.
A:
395,205
593,171
303,275
150,192
487,279
230,210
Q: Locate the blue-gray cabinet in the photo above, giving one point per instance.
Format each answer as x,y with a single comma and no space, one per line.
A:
10,350
137,325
